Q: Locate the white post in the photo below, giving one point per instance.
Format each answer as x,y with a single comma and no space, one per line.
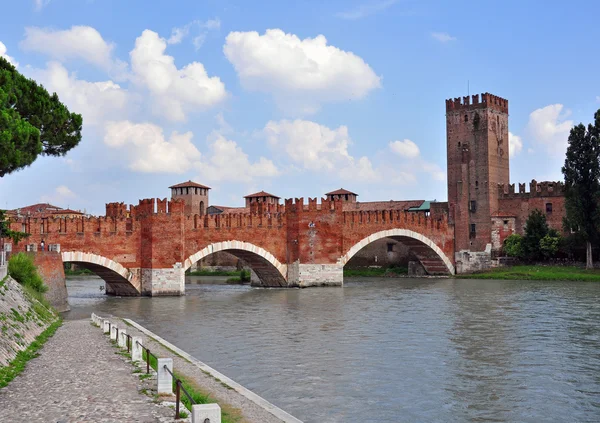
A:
106,326
113,333
201,413
136,350
122,338
93,318
164,378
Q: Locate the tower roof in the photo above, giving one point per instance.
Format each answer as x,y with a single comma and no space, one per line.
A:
261,194
341,191
189,184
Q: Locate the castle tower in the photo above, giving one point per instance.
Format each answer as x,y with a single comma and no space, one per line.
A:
477,150
194,195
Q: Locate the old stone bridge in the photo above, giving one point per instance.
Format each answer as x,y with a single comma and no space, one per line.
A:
145,249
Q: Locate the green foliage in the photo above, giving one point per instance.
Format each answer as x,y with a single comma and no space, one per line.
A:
536,228
582,181
538,273
376,271
513,246
6,232
245,276
550,244
32,121
206,272
16,366
22,269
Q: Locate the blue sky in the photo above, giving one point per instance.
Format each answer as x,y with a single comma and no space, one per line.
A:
293,97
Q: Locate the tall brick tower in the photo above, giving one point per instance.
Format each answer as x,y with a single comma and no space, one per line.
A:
194,195
477,149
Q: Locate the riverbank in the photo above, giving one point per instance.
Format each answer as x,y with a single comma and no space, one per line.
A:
376,272
538,273
205,272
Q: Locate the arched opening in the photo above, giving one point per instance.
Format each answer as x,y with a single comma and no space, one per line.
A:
118,279
270,271
201,208
431,259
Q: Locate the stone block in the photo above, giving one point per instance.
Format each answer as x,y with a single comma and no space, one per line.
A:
201,413
113,332
136,348
105,326
164,378
122,338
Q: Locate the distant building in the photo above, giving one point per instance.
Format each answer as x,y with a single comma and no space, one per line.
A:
44,210
342,195
261,197
194,195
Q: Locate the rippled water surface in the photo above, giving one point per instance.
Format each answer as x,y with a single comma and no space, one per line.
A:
390,350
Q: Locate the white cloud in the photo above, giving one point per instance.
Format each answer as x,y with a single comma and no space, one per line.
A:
515,144
405,148
148,150
300,74
228,162
548,127
198,41
40,4
443,37
179,33
530,151
598,98
95,101
314,146
366,9
61,194
78,42
175,91
3,54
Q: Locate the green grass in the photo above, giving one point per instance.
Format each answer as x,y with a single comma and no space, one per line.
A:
82,271
538,273
214,273
376,271
8,373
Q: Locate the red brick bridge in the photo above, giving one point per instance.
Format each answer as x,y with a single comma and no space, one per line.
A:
145,249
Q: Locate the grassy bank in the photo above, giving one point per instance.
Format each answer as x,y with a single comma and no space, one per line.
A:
538,273
376,272
78,272
8,373
205,272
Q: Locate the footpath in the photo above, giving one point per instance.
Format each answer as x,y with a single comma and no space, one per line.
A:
78,378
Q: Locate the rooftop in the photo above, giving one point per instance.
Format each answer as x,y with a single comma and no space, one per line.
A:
341,191
189,184
261,194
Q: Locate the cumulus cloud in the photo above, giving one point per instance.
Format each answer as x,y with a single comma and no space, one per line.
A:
228,162
405,148
300,74
548,126
175,91
515,144
179,33
147,149
3,54
78,42
61,194
95,101
443,37
366,9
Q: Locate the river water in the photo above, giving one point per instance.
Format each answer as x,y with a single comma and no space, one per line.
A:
389,350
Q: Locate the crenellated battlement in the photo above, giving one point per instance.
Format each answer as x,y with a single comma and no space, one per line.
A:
476,102
536,189
401,218
297,204
235,220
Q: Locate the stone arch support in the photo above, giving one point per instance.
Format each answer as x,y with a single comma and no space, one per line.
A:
398,233
271,271
119,279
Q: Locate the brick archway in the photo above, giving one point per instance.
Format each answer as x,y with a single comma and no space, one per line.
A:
270,271
415,241
119,279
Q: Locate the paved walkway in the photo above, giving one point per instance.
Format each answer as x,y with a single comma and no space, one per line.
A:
78,378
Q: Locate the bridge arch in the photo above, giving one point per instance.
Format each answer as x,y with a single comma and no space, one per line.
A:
270,271
420,244
119,279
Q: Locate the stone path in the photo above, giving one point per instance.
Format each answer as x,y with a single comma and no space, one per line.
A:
78,378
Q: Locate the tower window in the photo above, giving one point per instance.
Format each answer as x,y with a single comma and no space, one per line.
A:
466,118
459,144
548,207
472,230
473,205
390,247
476,184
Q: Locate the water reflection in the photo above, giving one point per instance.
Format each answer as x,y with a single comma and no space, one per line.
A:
390,350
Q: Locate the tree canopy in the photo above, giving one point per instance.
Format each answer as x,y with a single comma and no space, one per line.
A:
32,121
582,183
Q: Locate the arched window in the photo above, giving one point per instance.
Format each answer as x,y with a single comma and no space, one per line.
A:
466,118
201,207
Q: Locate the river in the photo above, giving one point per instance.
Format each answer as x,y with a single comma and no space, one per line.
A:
389,350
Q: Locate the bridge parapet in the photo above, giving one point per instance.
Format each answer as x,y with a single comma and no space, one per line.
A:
297,204
402,218
235,220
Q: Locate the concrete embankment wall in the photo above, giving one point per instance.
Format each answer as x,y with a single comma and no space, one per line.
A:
22,319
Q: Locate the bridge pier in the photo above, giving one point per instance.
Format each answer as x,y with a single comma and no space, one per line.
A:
163,282
305,275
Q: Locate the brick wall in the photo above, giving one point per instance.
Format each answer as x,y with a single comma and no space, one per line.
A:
50,267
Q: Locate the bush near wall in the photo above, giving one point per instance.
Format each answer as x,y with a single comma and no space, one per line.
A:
22,269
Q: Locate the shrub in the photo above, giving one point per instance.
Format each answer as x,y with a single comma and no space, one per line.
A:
550,243
536,228
245,276
513,246
22,269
